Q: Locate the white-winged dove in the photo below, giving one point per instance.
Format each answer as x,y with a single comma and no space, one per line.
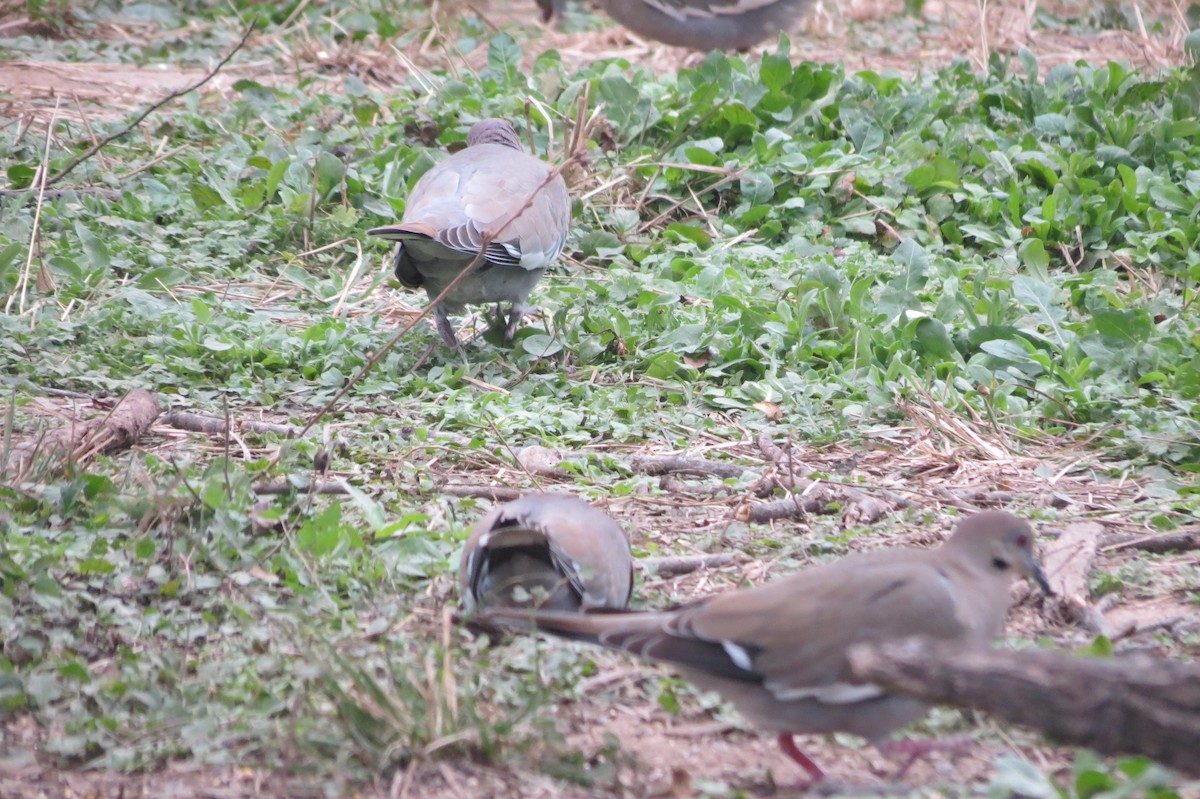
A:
490,189
554,551
777,652
699,24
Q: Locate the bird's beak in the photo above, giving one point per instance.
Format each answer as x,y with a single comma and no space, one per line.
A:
1038,576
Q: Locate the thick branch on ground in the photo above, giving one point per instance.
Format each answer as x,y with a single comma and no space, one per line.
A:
494,493
685,564
816,498
673,485
285,486
1167,542
973,499
782,456
679,464
213,425
120,428
1117,706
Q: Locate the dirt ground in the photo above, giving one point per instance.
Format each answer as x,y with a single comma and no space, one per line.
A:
862,34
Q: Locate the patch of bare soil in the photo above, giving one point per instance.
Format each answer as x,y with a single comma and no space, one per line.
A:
668,757
85,91
17,782
861,34
425,780
877,35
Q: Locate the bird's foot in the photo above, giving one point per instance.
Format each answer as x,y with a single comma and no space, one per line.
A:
514,320
909,751
787,744
444,328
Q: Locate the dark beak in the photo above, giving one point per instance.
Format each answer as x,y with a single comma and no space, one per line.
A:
1039,577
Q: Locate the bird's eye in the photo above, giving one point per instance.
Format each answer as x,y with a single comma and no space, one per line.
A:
1022,540
999,564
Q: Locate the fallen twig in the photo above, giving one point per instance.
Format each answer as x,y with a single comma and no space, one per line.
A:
1167,542
815,498
673,566
45,278
1138,628
68,393
213,425
285,486
770,450
665,464
673,485
494,493
973,499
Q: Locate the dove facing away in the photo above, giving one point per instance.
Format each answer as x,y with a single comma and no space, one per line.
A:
778,652
553,551
490,196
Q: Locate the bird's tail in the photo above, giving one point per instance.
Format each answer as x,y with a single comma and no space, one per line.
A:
403,231
593,627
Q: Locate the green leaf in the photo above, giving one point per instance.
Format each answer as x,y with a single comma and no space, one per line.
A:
504,57
934,339
1034,256
691,233
321,534
8,255
663,366
540,345
330,171
21,175
274,176
205,196
939,174
1131,327
1039,297
1017,777
371,510
1101,646
775,71
95,566
95,248
216,344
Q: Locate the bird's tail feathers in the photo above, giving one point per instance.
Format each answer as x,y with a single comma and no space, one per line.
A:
593,626
401,232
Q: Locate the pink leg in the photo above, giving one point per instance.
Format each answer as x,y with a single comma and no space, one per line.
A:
910,750
788,745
